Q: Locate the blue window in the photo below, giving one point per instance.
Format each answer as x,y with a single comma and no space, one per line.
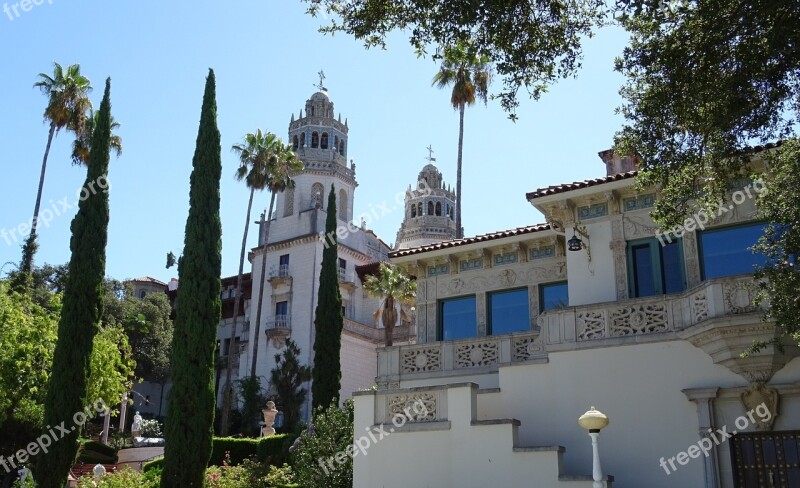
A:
655,269
281,309
553,295
509,311
726,252
457,318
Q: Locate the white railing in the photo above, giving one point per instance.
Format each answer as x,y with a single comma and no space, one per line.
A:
279,322
281,271
652,315
345,276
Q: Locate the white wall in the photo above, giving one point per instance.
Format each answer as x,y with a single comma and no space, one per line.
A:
592,281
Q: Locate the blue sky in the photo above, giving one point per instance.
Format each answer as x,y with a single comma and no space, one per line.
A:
266,55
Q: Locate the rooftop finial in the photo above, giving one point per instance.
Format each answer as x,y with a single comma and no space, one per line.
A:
321,85
430,157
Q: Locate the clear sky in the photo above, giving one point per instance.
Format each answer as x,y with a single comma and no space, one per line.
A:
266,55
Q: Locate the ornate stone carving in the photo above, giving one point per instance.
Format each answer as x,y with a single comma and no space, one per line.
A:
556,271
690,254
288,202
755,399
506,278
699,307
739,297
421,360
415,407
527,348
477,354
421,289
618,246
638,227
591,325
639,319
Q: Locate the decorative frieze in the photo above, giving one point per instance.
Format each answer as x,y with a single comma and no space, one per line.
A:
439,269
476,354
739,297
591,325
527,348
639,202
421,360
699,307
414,407
470,264
593,211
505,258
542,252
639,319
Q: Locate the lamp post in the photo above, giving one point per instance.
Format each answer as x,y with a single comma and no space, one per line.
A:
593,421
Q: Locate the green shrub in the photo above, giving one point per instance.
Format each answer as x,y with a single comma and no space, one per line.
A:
154,465
271,449
151,429
93,457
125,478
99,447
331,432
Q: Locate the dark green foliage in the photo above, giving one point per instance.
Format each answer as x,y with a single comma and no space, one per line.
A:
287,379
154,465
253,400
82,310
190,413
707,80
272,450
96,453
98,447
534,44
328,319
332,434
779,280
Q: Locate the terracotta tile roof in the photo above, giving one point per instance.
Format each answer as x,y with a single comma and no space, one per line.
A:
471,240
364,270
148,279
554,189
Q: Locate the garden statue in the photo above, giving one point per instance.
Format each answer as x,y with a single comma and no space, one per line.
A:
136,427
269,419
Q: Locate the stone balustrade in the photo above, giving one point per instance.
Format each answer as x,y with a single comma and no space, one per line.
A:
630,320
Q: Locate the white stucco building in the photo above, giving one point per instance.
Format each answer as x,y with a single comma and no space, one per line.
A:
293,256
519,332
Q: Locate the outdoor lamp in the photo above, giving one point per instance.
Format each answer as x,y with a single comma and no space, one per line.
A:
574,244
594,421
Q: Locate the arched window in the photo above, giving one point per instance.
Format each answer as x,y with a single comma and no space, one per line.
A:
303,139
343,205
316,195
449,210
314,140
295,143
341,147
335,143
324,141
430,208
311,112
288,202
413,210
419,209
439,208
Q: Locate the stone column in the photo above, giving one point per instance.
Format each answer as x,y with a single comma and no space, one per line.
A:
703,399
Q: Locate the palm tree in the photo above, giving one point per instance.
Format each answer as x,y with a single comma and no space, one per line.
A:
395,290
470,76
68,100
253,170
82,145
282,163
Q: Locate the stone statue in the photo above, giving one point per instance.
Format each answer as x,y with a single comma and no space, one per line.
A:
136,427
269,419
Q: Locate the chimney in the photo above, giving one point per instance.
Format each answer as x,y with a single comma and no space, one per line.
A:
616,164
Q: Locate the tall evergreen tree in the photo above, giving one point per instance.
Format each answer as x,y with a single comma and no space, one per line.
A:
82,310
190,413
328,319
286,379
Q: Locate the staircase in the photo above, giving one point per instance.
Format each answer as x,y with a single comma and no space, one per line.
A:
432,437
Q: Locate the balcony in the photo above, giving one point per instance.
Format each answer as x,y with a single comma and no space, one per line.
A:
718,316
278,329
279,275
346,279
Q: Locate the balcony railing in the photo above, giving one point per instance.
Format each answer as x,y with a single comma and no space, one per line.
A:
281,271
279,322
345,276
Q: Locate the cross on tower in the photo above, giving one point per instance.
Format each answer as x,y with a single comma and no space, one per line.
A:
321,85
430,157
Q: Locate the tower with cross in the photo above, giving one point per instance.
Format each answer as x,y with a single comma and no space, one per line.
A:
429,209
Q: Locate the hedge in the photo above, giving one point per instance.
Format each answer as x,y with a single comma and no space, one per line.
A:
92,452
98,447
272,450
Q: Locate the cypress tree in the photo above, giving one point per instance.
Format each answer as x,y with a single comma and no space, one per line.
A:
328,319
81,312
190,413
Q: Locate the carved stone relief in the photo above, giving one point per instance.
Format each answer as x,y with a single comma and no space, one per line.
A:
421,360
690,257
639,319
477,354
527,348
591,325
739,297
414,407
755,399
618,247
699,307
638,227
